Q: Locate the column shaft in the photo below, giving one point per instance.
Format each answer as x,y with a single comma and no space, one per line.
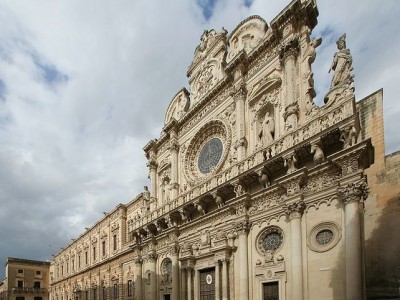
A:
240,126
296,268
217,281
138,283
196,283
224,279
354,285
243,267
153,279
175,277
189,283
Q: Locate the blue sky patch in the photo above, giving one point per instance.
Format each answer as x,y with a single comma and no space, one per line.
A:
2,91
207,7
50,73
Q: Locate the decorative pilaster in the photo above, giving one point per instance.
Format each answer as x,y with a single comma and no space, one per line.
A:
174,149
138,283
175,272
294,212
351,194
152,258
189,282
242,229
225,291
239,95
152,165
288,57
217,281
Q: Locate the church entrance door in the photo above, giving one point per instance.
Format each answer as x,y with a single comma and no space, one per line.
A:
207,284
271,291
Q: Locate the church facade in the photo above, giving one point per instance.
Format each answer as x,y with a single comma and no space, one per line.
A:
255,192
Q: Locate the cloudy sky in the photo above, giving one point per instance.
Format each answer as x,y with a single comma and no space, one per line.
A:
84,85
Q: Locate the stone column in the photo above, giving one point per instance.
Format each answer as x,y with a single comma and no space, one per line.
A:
239,96
351,194
196,285
294,212
225,291
183,281
175,273
217,281
152,256
242,229
288,56
189,282
138,275
174,149
153,179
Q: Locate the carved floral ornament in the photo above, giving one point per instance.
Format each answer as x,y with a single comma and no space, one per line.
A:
295,210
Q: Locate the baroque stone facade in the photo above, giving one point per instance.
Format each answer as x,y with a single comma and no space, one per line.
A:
255,191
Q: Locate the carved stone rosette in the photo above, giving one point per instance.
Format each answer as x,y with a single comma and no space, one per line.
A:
354,191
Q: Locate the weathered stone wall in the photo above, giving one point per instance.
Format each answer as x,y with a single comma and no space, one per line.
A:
382,208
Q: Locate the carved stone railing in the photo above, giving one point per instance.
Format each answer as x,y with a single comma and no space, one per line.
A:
330,117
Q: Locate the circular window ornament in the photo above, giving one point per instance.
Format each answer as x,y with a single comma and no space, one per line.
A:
271,240
324,236
209,279
207,152
210,155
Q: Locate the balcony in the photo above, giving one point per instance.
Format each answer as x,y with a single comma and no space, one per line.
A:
30,290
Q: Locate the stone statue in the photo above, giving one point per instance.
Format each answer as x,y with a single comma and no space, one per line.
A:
342,64
146,194
319,156
266,133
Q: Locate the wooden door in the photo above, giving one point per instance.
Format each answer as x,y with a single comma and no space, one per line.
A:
207,284
271,291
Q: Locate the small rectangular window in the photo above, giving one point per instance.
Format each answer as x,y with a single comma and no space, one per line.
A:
20,283
38,273
20,271
94,253
103,247
20,298
36,284
129,288
79,261
86,258
115,242
115,291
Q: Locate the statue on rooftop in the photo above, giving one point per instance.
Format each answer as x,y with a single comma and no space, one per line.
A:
342,64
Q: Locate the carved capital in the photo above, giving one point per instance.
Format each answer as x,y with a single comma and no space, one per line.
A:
295,210
354,191
152,165
173,146
242,227
290,49
138,261
239,92
152,256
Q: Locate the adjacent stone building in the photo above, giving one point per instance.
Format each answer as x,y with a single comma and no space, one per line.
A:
25,280
255,192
